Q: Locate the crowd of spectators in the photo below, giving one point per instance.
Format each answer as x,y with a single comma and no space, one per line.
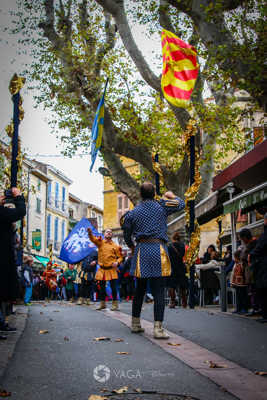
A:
246,272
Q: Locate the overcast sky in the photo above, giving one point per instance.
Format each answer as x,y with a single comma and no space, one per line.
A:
35,131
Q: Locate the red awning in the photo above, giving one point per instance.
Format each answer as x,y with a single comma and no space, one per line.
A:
246,172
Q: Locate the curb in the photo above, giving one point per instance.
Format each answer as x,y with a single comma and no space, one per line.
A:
229,376
7,347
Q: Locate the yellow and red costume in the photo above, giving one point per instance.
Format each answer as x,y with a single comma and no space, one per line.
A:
108,253
50,278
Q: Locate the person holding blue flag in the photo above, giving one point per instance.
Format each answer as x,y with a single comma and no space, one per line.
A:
109,258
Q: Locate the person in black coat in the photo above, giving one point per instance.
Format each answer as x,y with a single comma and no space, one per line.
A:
207,255
8,271
178,278
258,264
88,275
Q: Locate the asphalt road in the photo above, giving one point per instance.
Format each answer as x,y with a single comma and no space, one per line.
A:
238,339
67,363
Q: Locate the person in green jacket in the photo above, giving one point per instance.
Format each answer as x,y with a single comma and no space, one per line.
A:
70,276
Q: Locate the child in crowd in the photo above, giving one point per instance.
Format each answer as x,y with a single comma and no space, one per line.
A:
238,281
70,276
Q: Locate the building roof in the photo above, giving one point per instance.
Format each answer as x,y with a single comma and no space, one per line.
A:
48,167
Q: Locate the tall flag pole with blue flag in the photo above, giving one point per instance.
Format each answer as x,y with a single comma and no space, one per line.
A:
97,130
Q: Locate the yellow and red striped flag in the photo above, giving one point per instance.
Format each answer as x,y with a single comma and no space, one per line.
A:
180,69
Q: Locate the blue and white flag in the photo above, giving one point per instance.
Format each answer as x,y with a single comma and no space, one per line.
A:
97,130
77,245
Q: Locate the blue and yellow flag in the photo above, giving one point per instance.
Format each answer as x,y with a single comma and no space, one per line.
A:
97,130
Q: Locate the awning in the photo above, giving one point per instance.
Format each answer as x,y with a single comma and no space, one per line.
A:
42,260
247,171
254,197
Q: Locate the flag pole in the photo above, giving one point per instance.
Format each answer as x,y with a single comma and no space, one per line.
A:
157,178
192,221
15,85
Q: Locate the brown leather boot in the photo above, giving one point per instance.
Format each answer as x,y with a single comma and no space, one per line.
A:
115,305
172,296
102,305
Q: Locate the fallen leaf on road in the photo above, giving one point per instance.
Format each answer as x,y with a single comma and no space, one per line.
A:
174,344
123,389
261,373
4,393
66,338
43,331
96,397
118,340
214,365
123,352
104,390
138,390
98,339
41,312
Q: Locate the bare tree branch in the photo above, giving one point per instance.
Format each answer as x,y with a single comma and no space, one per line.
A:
108,45
164,18
116,8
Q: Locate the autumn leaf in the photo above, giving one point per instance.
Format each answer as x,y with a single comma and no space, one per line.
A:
66,338
174,344
96,397
138,390
41,312
123,389
214,365
43,331
101,338
261,373
118,340
123,352
4,393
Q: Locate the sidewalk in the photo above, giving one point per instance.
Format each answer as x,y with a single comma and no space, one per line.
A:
7,347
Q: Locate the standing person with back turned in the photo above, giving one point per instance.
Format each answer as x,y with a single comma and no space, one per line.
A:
8,270
147,223
109,258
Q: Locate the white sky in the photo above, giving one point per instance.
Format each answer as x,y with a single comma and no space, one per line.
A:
35,131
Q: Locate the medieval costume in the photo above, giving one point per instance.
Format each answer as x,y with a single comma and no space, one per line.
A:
109,253
147,223
50,279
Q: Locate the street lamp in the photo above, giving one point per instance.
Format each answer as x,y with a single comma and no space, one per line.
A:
104,171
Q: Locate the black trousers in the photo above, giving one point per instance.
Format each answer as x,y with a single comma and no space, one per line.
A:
102,294
86,289
241,298
157,286
263,301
